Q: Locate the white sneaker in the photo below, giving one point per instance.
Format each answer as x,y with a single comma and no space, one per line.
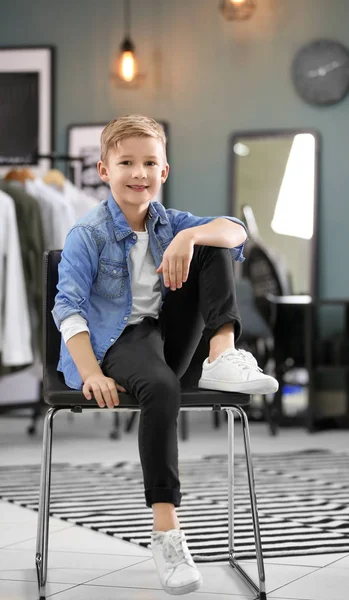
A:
236,371
176,568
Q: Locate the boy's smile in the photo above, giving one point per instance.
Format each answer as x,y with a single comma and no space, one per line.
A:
135,170
138,188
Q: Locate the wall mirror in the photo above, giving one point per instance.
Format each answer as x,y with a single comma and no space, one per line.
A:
274,190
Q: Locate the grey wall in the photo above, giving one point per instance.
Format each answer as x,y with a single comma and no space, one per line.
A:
208,78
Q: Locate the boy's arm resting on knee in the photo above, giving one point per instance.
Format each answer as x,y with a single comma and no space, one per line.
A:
104,389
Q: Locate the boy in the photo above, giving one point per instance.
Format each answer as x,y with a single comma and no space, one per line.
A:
123,329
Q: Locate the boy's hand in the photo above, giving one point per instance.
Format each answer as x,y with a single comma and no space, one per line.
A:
176,260
104,389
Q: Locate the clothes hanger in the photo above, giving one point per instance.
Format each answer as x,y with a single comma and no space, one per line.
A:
54,177
19,175
28,174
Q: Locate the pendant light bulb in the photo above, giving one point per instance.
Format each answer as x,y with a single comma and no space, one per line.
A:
237,10
125,72
127,64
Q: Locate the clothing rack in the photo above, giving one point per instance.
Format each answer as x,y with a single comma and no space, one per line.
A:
53,156
30,161
14,409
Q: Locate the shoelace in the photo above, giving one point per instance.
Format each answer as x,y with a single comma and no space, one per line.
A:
243,359
173,551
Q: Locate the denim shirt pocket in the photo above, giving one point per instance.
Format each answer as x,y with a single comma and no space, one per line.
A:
111,278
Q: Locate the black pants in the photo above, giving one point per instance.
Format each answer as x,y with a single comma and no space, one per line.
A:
150,358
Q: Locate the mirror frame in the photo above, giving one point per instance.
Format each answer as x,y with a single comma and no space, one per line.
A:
232,203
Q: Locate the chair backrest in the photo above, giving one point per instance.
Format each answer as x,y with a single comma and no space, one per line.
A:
266,272
52,337
254,325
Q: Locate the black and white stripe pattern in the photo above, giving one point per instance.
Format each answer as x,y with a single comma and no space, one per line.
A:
302,500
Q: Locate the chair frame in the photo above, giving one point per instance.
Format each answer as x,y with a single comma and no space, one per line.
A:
192,400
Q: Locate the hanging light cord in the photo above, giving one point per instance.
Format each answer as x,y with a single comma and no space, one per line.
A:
127,17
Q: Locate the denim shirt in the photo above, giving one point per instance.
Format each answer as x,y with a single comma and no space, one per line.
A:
95,272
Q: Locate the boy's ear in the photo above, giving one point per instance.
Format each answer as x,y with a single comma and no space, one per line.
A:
102,171
164,173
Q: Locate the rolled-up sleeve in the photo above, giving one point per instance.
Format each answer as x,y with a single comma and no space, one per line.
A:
184,220
73,325
76,273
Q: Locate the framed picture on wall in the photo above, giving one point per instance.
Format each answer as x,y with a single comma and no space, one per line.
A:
26,105
84,142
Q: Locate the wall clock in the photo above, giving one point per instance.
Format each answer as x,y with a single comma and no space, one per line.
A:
320,72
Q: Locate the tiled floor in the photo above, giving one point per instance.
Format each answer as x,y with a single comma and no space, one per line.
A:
86,565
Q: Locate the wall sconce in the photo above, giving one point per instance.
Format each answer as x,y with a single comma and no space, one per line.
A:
237,10
125,72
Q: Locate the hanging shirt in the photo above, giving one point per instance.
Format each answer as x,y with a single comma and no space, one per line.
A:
57,214
15,331
78,199
32,244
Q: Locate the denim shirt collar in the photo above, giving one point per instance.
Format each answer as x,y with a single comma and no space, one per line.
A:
157,211
122,227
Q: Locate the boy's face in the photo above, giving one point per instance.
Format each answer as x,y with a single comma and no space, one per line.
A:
135,171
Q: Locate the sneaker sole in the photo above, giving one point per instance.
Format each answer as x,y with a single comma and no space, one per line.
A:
250,387
185,589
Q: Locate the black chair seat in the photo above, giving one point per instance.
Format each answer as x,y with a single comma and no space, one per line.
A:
57,393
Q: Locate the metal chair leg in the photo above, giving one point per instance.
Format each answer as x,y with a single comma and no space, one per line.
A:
183,422
261,592
231,483
44,504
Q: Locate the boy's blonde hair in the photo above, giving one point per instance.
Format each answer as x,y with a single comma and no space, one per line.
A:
130,126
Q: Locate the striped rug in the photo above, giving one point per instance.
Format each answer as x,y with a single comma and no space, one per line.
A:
303,500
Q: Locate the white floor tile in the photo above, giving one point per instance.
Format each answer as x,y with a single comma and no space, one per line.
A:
11,513
341,563
223,580
26,590
311,560
22,532
144,576
19,565
85,592
74,576
277,576
17,515
323,584
11,559
217,580
78,539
